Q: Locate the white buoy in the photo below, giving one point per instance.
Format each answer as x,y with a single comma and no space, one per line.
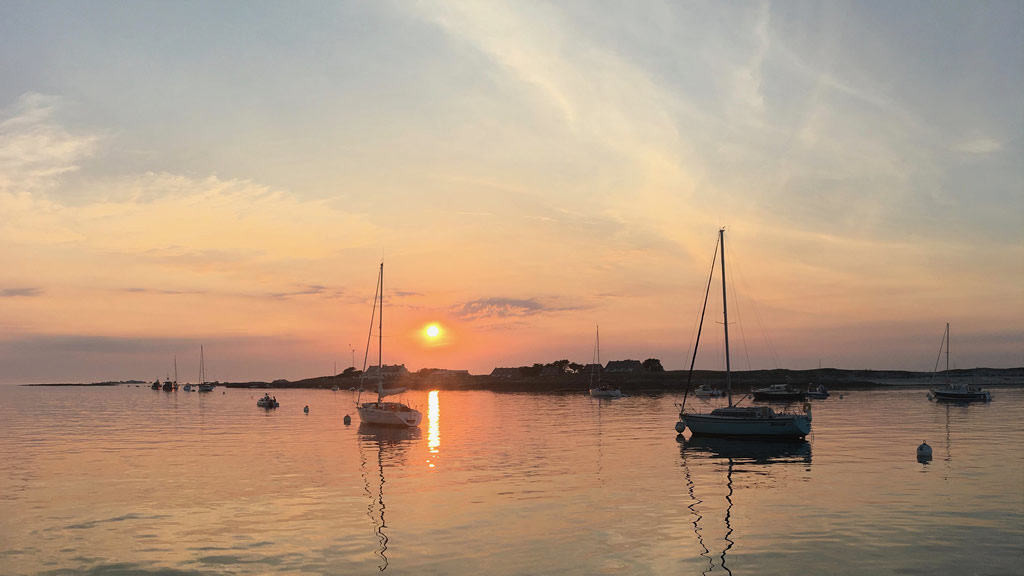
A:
348,419
924,452
306,409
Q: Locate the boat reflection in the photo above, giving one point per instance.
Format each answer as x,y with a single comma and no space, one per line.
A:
392,445
751,451
739,457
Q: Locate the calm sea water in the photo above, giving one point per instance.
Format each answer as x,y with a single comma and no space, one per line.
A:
128,480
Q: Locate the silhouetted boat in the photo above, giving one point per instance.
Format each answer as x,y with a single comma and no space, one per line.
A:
779,393
761,422
957,392
598,389
818,393
382,413
204,386
704,391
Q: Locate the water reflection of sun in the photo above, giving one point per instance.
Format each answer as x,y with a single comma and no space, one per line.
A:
433,426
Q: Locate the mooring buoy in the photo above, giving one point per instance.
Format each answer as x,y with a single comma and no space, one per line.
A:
924,452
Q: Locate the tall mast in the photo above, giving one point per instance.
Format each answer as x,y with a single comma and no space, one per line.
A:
380,338
725,316
947,350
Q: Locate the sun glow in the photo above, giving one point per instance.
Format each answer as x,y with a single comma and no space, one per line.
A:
433,331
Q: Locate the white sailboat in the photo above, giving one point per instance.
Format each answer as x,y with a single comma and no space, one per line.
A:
957,392
739,421
204,386
382,413
601,390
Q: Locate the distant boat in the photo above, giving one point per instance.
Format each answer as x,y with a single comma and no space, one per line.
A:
169,384
156,384
779,393
268,402
705,391
733,421
957,392
204,386
819,393
382,413
600,390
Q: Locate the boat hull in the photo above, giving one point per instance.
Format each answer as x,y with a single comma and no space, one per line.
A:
780,396
393,414
777,426
956,395
605,393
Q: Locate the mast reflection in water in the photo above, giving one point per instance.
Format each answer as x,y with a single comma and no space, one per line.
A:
740,456
392,445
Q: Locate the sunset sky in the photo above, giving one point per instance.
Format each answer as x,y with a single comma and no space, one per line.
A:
231,174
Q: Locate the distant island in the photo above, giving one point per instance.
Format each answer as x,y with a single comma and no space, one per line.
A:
630,376
515,380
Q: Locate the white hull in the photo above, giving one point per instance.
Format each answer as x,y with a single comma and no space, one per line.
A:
766,425
962,394
389,414
703,391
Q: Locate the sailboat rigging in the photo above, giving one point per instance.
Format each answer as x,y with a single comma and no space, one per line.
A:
957,392
204,386
384,413
737,421
604,390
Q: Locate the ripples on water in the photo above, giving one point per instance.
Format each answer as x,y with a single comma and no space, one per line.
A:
128,480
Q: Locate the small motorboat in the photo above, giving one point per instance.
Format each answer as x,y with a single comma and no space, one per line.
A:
268,402
704,391
779,393
818,393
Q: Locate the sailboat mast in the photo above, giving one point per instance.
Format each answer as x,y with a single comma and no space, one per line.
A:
725,317
380,338
947,350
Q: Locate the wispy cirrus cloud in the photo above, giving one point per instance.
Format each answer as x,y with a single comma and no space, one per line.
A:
497,307
35,150
311,290
28,292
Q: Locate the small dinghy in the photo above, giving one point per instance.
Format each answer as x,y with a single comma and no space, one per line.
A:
268,402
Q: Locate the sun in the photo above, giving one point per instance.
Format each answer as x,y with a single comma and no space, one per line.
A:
433,331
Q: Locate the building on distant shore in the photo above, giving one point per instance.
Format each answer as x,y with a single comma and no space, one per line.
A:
388,372
505,373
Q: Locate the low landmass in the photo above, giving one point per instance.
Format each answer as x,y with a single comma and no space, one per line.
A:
531,379
655,382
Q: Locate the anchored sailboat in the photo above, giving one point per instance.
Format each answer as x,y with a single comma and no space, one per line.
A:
601,390
385,413
958,392
204,386
736,421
